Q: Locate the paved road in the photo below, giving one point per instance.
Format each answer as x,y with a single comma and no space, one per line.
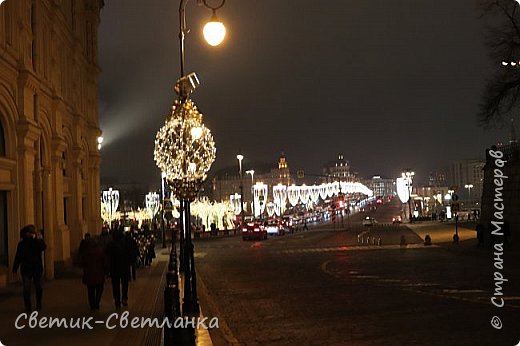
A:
321,287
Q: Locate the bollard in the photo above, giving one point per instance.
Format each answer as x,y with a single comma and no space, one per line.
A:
427,240
374,240
172,310
172,263
358,239
169,314
403,240
455,238
379,241
368,240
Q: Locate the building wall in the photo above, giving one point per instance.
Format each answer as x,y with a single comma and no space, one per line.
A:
49,172
381,186
464,172
338,169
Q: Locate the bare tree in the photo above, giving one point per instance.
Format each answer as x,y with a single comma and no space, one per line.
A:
502,91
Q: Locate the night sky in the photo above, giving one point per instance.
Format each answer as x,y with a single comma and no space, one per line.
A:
390,84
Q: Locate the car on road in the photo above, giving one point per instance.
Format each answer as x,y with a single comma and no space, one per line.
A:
254,230
287,223
396,219
369,221
274,227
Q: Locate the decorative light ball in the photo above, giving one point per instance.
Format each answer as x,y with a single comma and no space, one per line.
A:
184,149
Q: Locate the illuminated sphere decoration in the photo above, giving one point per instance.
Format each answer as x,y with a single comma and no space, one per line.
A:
184,150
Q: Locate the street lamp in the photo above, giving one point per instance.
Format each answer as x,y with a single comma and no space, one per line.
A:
214,31
469,187
240,157
99,142
252,172
185,151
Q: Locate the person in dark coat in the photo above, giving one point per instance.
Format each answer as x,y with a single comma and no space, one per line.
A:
134,254
119,256
29,259
104,238
95,264
150,251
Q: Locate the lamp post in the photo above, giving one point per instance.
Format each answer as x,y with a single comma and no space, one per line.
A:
240,157
252,172
185,150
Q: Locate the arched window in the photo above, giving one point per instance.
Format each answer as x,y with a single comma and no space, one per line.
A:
2,140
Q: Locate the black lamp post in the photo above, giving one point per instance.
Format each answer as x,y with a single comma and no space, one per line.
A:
185,150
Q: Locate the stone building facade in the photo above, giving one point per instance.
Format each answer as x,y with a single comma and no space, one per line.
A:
49,162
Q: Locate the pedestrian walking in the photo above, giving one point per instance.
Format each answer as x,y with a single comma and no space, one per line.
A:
82,248
119,255
150,251
95,265
104,238
29,259
134,253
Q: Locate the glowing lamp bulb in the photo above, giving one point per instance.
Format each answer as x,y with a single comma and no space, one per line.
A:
214,31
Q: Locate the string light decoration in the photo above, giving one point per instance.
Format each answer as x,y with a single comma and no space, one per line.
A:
323,191
110,201
184,150
304,194
314,193
260,191
235,201
280,197
152,203
293,194
270,209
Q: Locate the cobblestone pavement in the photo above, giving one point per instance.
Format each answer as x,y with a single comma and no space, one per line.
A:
321,287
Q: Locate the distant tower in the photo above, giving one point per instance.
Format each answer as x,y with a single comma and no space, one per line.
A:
283,169
512,138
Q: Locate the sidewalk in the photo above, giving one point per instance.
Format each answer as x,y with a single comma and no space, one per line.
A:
67,298
441,232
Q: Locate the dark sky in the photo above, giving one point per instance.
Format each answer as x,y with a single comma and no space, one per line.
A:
390,84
